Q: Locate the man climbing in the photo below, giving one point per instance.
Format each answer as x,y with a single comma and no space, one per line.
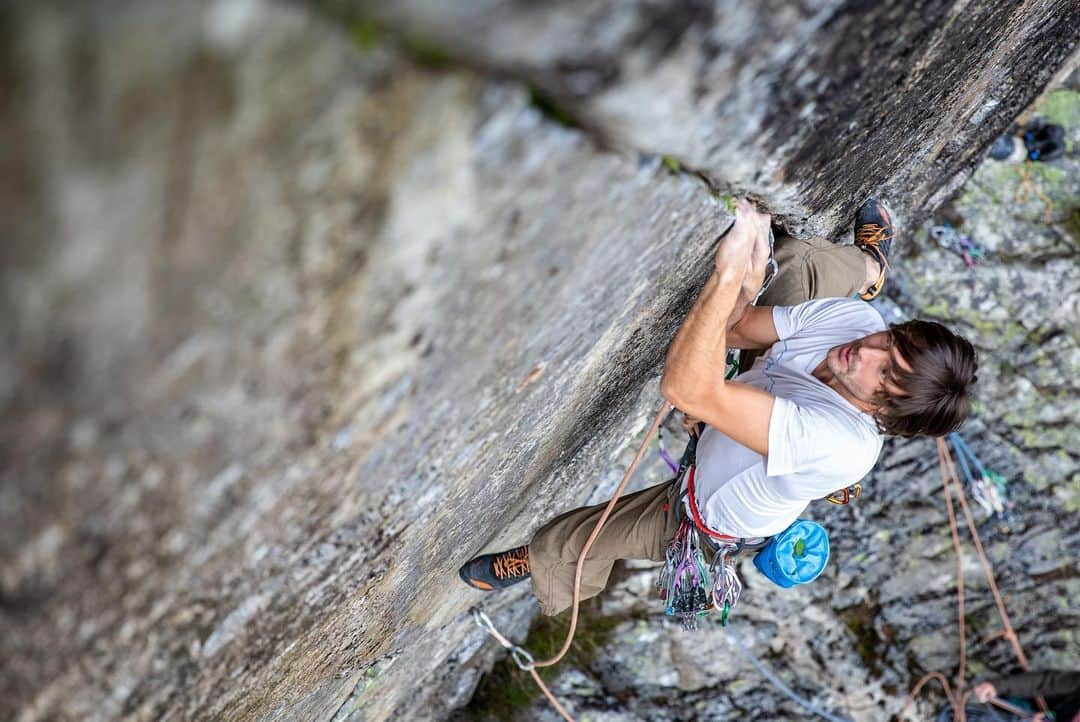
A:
806,420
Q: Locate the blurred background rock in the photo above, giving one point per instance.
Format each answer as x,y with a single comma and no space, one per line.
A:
304,304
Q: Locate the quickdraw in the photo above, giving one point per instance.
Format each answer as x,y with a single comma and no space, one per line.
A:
987,487
952,240
685,579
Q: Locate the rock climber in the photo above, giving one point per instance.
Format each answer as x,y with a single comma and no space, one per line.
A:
807,419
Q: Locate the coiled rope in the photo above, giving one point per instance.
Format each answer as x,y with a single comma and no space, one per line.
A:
959,698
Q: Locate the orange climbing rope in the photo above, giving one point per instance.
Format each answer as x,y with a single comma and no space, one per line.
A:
959,698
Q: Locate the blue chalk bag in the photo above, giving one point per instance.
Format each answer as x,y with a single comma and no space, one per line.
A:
796,555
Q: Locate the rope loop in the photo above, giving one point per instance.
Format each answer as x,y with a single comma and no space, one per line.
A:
522,658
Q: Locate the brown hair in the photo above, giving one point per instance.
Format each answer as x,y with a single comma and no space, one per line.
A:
934,397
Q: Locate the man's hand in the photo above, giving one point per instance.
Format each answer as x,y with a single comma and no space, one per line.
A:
735,254
759,261
690,424
984,692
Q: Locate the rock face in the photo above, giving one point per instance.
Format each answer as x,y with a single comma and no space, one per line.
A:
295,324
768,97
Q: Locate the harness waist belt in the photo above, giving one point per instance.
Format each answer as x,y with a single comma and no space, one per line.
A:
698,521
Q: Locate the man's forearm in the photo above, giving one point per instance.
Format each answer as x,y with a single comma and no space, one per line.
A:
1031,684
696,360
742,303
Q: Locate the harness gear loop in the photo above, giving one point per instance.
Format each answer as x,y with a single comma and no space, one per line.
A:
845,495
727,587
698,521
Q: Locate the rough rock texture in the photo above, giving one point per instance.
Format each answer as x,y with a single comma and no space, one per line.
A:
884,614
294,325
766,97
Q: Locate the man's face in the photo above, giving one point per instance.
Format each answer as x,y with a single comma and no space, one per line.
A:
861,367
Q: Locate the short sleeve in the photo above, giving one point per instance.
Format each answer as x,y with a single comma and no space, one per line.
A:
781,316
850,312
806,440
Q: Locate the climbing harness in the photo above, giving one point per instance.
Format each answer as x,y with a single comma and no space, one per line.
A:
958,698
952,240
692,590
690,586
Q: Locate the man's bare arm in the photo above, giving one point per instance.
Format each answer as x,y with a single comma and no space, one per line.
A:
755,329
694,369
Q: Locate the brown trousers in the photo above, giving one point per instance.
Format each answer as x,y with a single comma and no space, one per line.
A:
642,525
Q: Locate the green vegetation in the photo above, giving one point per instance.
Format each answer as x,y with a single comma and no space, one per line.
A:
1061,106
365,35
427,53
868,645
1072,225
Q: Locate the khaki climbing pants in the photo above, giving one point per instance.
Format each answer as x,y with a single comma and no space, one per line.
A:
808,270
643,524
640,527
814,268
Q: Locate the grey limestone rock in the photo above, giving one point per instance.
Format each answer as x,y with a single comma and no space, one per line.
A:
304,305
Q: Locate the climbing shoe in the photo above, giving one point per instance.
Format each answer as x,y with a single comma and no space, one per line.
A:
497,571
874,235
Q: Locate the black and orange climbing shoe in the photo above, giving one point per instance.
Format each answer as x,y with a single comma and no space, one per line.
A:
497,571
874,236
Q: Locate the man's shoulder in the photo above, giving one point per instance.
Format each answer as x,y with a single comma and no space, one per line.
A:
836,308
828,313
815,434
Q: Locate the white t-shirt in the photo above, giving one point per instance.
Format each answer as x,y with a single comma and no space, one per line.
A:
818,441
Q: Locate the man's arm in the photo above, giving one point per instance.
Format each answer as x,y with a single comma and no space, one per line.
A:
747,327
694,369
1047,683
755,329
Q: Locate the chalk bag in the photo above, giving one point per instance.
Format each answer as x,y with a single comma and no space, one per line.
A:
796,555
